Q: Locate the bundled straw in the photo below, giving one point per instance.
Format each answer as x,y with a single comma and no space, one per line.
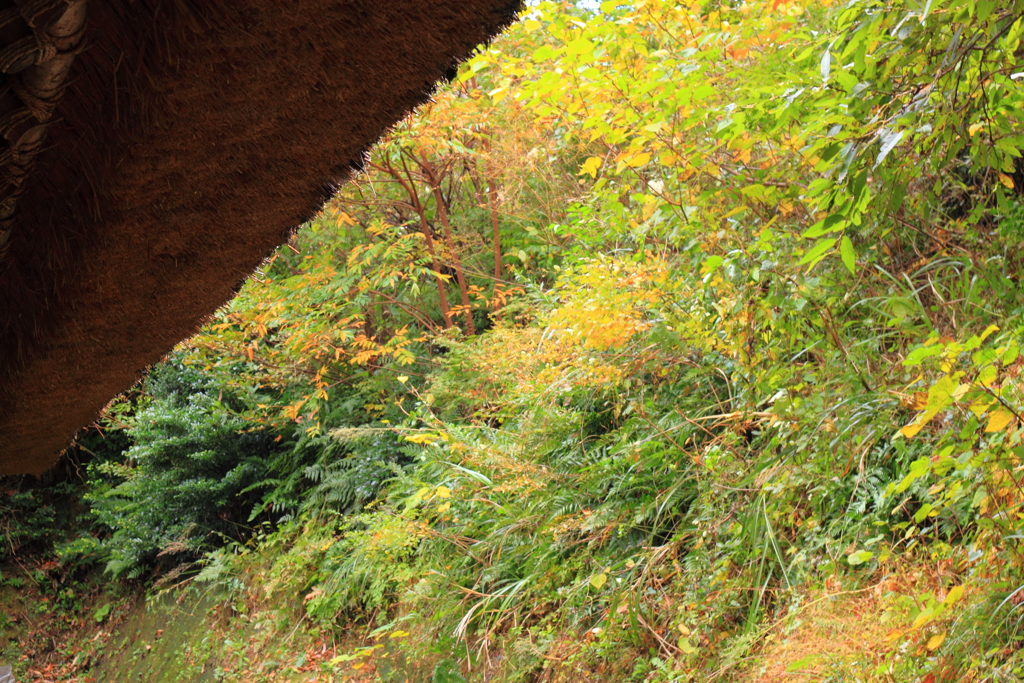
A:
186,141
42,39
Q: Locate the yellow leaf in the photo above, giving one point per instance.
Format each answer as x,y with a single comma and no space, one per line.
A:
686,646
590,166
923,618
981,405
989,330
649,208
638,160
935,641
403,379
598,580
917,425
975,127
1006,180
443,492
916,401
954,595
942,392
998,420
441,509
894,635
987,375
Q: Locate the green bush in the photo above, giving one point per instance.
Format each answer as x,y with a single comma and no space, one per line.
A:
191,477
39,514
31,518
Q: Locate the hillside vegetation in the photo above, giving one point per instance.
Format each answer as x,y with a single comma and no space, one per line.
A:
673,341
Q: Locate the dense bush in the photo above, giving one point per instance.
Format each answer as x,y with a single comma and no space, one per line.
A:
190,478
33,519
39,514
664,319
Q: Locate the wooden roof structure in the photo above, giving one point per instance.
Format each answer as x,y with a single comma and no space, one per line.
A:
154,152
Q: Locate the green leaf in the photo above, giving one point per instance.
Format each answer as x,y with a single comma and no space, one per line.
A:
818,251
711,263
943,392
802,663
954,595
848,254
101,613
922,513
918,355
543,53
889,141
918,469
859,557
832,223
580,46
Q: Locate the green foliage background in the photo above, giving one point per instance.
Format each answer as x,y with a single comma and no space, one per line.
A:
661,320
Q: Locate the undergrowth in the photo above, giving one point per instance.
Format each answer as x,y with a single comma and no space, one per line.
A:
671,342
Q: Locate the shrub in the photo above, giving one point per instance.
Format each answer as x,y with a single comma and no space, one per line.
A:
190,478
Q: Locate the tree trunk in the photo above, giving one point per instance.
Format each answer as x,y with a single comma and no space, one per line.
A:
442,214
417,206
492,200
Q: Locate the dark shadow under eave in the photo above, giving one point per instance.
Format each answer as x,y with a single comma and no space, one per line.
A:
188,144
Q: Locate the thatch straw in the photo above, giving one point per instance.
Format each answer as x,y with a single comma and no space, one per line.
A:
40,40
190,138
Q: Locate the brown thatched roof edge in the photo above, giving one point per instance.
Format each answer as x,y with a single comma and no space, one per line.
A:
188,139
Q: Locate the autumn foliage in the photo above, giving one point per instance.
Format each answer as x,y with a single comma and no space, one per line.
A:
661,329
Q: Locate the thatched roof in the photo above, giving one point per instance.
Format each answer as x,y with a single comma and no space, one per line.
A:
183,141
